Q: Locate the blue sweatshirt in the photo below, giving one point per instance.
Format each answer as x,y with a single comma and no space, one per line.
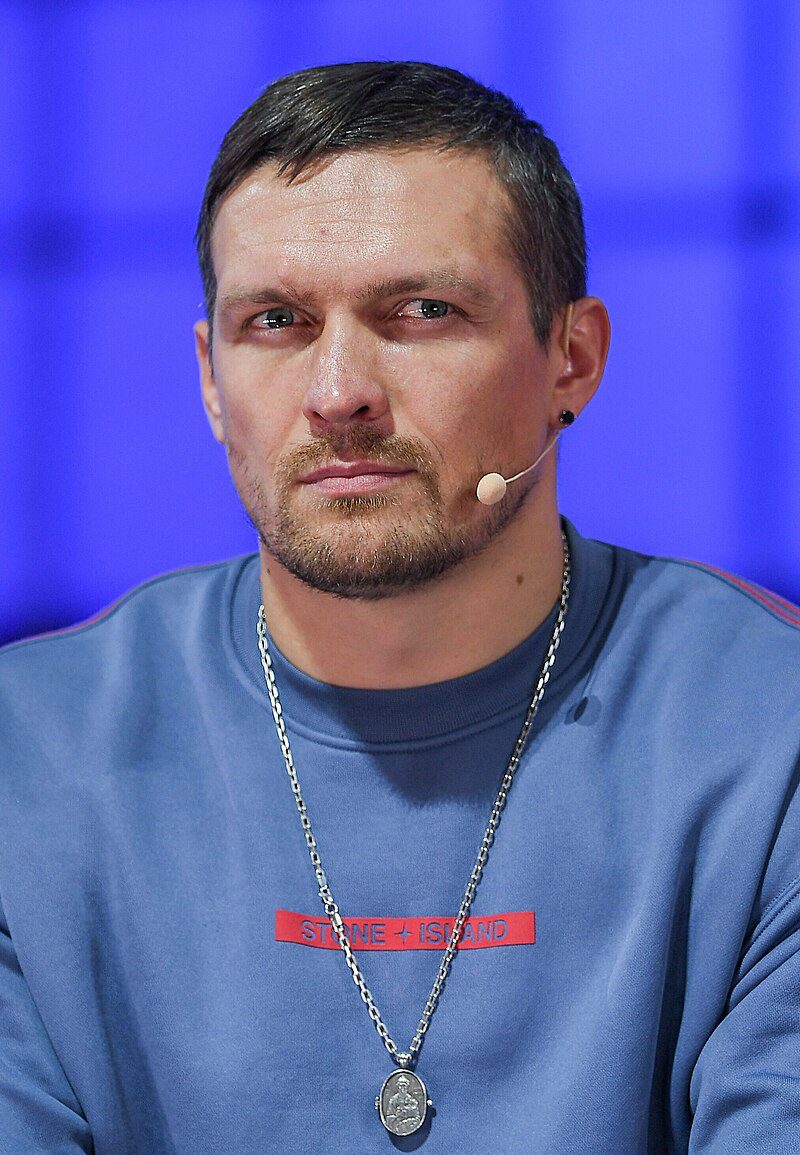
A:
630,978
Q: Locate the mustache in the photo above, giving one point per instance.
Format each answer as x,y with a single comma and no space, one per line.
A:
356,441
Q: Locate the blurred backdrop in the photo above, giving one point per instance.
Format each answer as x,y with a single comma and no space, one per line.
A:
680,124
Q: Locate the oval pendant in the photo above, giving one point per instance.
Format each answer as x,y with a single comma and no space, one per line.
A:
403,1102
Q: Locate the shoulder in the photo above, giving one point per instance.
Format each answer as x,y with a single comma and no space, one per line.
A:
158,616
114,698
695,642
704,665
736,594
691,596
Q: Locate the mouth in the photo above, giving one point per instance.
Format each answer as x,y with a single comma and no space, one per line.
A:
352,477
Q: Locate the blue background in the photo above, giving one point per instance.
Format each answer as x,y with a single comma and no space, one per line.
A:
680,123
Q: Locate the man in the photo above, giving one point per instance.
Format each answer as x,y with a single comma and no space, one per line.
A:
531,794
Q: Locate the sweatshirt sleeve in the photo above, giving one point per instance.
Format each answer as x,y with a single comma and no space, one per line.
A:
39,1113
745,1090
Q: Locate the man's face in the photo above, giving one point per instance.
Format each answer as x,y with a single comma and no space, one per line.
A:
372,358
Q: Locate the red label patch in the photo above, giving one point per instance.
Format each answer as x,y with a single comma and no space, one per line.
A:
516,928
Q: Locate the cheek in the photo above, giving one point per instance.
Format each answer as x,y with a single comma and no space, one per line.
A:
256,422
489,415
514,411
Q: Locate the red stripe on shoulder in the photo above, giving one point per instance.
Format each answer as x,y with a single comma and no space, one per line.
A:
784,609
65,631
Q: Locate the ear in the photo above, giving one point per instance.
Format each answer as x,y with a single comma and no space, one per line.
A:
580,341
212,401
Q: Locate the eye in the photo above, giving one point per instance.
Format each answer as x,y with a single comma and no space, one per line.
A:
427,308
277,318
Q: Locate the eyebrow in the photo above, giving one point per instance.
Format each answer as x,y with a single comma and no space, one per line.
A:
435,280
262,296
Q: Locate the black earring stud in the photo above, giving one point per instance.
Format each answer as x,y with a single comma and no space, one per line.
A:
566,417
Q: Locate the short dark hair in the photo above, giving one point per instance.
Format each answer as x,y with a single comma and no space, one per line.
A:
320,112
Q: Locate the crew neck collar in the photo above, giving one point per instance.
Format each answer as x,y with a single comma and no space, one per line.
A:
420,713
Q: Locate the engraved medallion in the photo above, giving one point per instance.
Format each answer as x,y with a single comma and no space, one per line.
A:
403,1103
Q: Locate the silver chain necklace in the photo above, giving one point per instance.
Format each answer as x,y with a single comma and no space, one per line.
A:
403,1099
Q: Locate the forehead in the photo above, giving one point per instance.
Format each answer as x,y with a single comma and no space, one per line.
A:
365,214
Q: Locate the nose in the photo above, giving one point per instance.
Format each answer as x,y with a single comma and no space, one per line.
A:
345,383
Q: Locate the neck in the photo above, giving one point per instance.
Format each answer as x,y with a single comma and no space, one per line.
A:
452,626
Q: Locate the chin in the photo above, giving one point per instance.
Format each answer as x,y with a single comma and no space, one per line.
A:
370,547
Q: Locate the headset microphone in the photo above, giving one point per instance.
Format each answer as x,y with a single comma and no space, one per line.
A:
492,486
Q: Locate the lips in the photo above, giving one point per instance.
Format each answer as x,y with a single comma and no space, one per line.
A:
351,469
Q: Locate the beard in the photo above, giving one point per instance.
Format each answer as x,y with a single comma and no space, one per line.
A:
367,545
